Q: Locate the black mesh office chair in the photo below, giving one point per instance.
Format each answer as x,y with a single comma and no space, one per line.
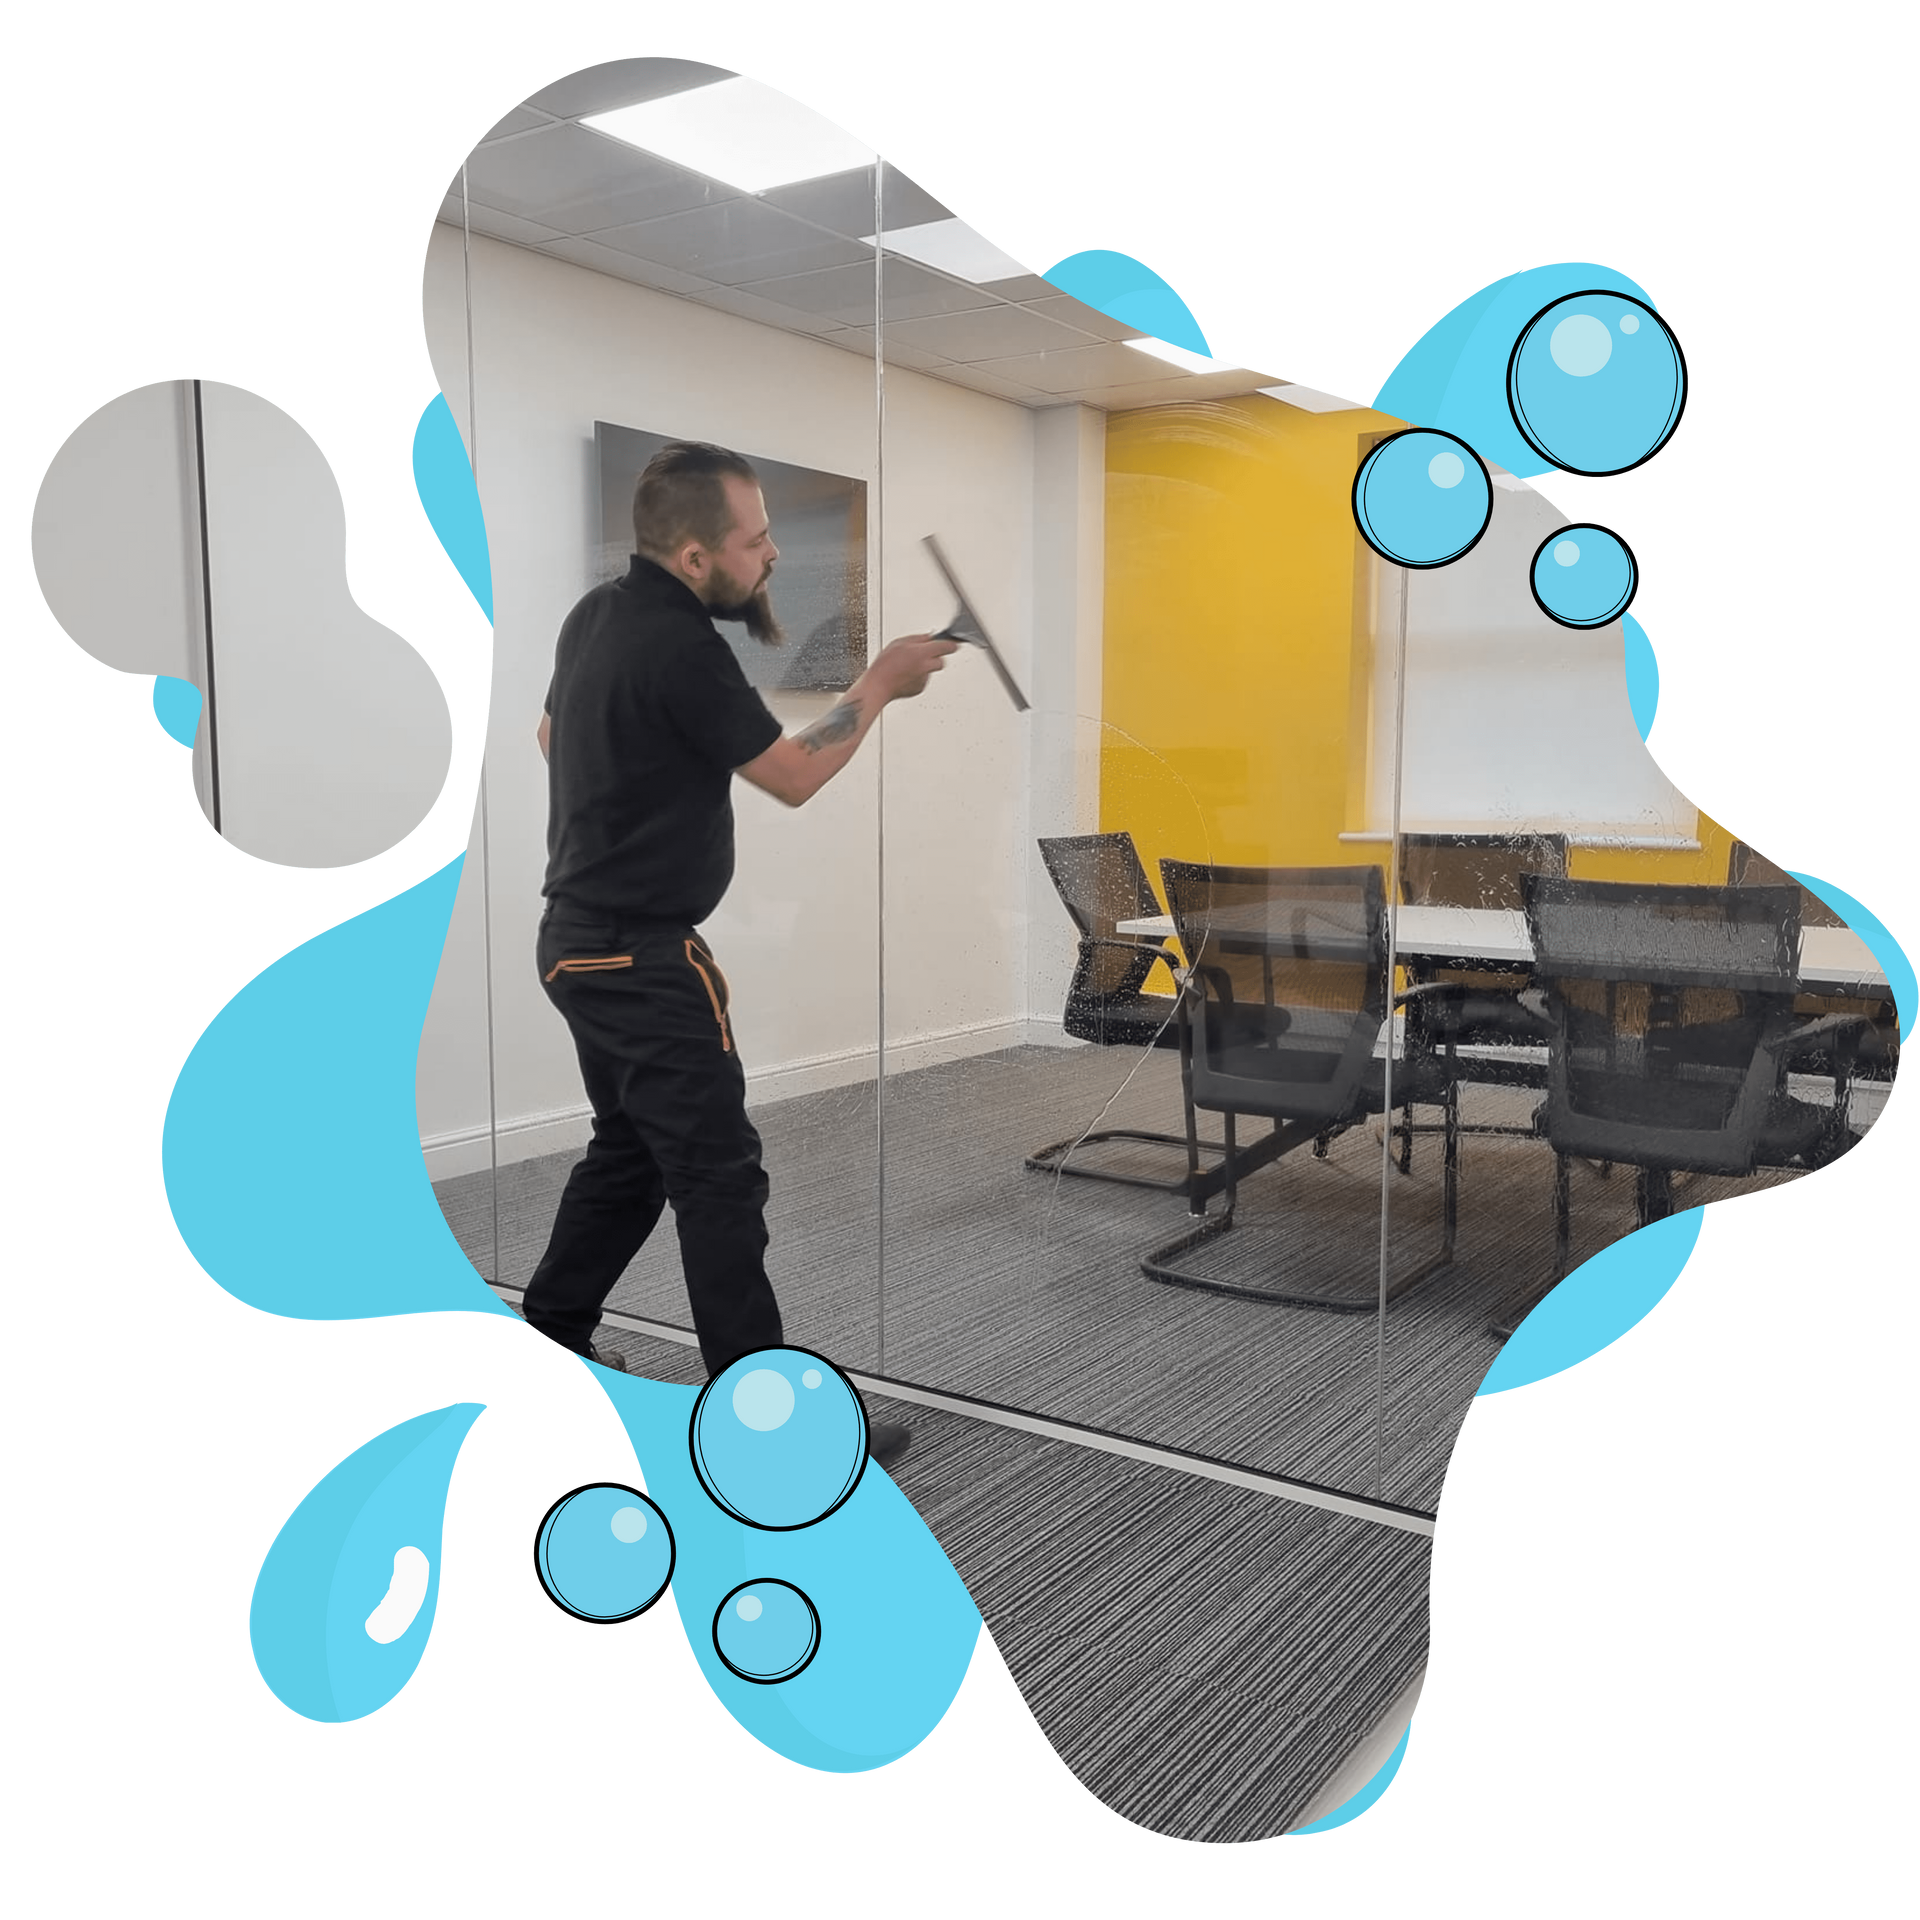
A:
1672,1012
1101,882
1870,1051
1499,1010
1285,996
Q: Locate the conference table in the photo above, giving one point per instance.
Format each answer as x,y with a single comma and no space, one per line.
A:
1833,961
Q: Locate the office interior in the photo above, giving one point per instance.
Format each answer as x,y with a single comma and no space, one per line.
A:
1190,1475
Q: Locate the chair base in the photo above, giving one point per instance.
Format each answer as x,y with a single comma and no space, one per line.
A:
1155,1268
1052,1159
1652,1200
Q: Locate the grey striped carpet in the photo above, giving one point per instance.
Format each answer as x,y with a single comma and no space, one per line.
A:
1025,1289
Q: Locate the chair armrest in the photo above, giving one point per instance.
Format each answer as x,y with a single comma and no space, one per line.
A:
1434,990
1830,1026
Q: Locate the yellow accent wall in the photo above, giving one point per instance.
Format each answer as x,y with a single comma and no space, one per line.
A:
1237,644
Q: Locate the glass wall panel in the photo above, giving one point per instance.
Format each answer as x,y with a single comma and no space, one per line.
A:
1165,559
623,285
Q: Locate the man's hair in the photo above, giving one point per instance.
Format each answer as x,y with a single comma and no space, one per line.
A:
682,496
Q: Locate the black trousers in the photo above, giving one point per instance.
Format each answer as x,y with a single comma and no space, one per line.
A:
648,1011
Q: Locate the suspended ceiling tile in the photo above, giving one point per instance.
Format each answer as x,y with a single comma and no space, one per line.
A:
992,333
739,240
623,83
844,201
1312,400
625,266
846,293
1022,287
520,120
981,381
1182,389
750,306
1076,313
898,353
575,181
1105,363
497,225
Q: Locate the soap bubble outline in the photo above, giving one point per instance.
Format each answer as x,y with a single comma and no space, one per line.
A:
726,1506
540,1541
767,1580
1367,461
1620,607
1680,399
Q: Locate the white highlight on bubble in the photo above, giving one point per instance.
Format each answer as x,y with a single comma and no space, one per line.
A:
1580,345
401,1603
763,1399
628,1524
1567,552
1446,469
811,1378
1629,323
747,1607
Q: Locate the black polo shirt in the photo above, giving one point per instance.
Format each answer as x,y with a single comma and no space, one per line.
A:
650,715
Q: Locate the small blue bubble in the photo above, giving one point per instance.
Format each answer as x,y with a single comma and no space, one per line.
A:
769,1457
766,1631
599,1554
1421,498
1588,403
1592,580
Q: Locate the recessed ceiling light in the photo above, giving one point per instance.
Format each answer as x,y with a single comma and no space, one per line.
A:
737,132
1312,400
953,247
1178,356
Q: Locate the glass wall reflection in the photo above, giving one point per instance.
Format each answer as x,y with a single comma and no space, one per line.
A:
616,301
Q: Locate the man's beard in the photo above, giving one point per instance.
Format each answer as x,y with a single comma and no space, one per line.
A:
756,614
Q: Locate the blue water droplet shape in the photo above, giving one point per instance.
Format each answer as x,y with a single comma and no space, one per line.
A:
1422,498
766,1631
176,705
1596,382
604,1552
771,1457
1584,576
345,1598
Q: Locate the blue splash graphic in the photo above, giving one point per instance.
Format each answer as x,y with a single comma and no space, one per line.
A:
1597,383
1131,293
1455,378
1361,1801
779,1439
1596,1303
1421,499
345,1597
176,705
444,481
291,1150
1643,674
1584,576
604,1553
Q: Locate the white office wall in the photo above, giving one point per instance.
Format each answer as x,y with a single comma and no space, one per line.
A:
1511,719
556,347
116,541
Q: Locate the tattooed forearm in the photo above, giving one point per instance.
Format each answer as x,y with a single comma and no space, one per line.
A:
832,728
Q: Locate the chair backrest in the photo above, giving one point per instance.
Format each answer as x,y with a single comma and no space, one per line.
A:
1746,868
1101,882
1663,1000
1475,869
1288,972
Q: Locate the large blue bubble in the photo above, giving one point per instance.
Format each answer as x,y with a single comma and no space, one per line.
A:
1584,576
1596,382
779,1439
604,1552
766,1631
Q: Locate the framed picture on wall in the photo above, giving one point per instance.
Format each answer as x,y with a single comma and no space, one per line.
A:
819,587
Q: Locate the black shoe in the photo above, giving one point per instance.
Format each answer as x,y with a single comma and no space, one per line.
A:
609,1357
886,1442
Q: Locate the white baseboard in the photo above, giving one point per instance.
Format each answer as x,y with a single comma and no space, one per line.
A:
565,1129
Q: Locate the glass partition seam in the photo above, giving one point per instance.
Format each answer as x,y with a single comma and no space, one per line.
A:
486,851
880,776
1386,1131
206,604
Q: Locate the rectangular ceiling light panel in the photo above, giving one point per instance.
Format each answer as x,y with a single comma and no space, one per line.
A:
951,246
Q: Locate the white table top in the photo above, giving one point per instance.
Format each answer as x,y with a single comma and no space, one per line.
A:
1832,959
